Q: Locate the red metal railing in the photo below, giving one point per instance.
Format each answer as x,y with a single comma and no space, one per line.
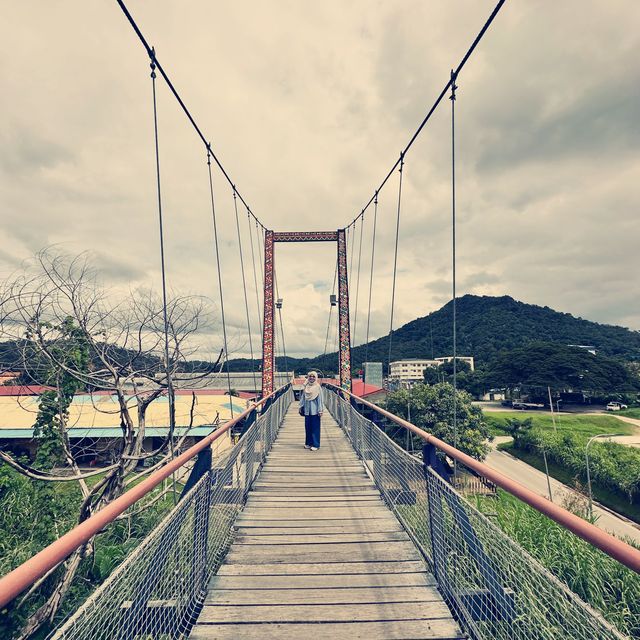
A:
31,570
612,546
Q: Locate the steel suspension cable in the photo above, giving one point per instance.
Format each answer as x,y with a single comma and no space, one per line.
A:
169,377
351,237
244,288
373,253
255,274
333,289
284,347
441,95
355,314
395,258
260,236
217,251
452,97
205,142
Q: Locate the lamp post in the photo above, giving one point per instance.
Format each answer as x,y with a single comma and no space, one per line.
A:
586,454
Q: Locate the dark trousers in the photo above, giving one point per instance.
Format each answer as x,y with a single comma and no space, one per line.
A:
312,431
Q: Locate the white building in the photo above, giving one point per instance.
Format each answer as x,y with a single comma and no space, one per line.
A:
413,370
410,370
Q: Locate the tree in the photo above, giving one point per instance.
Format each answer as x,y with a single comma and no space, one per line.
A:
518,429
543,365
431,409
71,335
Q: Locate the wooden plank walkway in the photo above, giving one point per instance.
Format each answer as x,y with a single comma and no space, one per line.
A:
317,553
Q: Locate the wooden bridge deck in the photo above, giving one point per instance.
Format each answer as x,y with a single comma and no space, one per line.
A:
318,554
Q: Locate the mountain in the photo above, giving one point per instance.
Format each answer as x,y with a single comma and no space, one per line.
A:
486,325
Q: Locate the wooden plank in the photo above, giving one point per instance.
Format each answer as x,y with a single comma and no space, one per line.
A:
319,523
314,529
321,538
217,614
440,629
317,552
317,512
373,551
316,503
324,568
331,596
323,581
270,503
311,492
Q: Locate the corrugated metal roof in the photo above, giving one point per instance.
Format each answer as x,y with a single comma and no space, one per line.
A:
87,412
107,432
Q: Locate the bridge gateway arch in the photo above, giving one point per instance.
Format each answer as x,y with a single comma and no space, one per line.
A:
344,348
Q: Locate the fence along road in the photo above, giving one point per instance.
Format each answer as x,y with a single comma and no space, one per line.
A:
318,553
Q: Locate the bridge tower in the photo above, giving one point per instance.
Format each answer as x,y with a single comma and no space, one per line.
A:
344,353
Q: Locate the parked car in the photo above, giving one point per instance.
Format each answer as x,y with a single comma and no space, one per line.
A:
527,406
616,406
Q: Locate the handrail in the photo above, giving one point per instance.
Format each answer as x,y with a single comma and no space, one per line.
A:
612,546
38,565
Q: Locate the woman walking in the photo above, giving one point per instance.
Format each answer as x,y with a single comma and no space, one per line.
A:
311,407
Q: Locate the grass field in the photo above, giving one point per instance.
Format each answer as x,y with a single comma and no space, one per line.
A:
631,413
583,424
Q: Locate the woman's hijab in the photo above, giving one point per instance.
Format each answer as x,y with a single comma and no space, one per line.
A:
311,387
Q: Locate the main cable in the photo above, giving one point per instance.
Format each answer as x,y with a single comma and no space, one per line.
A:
205,142
442,94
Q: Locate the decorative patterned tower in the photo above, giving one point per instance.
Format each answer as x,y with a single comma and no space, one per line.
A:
268,360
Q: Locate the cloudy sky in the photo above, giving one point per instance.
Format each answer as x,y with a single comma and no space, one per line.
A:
308,104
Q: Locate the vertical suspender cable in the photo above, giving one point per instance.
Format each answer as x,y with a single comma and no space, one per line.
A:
255,275
373,253
170,389
452,97
244,286
284,347
333,289
260,235
355,314
217,248
395,258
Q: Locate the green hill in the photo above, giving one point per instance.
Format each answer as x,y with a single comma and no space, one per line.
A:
487,325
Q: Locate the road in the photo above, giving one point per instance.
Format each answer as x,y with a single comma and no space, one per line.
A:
536,481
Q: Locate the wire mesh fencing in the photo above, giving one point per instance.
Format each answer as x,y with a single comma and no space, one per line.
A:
157,592
493,586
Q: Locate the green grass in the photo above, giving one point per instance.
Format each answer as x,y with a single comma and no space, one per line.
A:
614,501
597,578
584,424
631,413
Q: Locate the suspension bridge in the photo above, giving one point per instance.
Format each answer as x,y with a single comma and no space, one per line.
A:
361,539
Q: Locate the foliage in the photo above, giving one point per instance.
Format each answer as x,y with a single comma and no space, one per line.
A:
542,364
518,429
597,578
69,349
431,408
33,516
613,466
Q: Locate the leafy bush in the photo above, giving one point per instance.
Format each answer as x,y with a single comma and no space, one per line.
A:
613,466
